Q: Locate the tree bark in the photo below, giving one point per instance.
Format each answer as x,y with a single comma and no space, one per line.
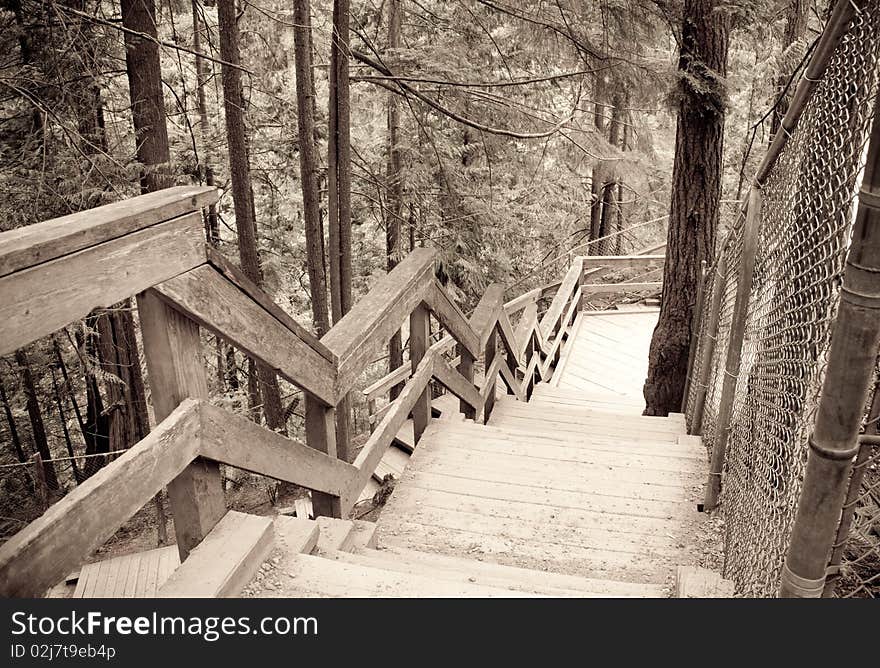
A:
394,181
242,195
145,89
10,420
596,177
63,421
38,429
308,166
339,194
696,191
609,184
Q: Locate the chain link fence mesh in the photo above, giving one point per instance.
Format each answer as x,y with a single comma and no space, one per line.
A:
805,223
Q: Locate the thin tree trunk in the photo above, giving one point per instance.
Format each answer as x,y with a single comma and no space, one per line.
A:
696,191
38,429
63,420
596,177
242,195
394,181
339,195
609,184
308,166
10,420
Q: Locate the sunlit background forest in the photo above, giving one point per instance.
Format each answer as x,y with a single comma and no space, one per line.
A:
507,135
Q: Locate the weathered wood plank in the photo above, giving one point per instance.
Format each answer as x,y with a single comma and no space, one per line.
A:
456,383
51,546
373,450
211,300
598,288
419,339
518,303
621,261
511,382
560,300
452,318
176,370
553,349
35,244
225,561
508,338
485,316
271,454
255,292
321,436
524,328
364,331
42,299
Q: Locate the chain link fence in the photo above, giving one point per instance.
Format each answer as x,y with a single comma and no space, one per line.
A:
803,236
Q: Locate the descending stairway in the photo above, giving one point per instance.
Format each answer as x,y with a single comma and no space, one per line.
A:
573,493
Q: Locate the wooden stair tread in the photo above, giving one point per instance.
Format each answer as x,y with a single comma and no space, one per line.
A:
225,561
442,567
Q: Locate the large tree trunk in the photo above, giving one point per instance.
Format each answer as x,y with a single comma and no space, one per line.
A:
38,429
696,191
339,195
242,194
394,181
308,166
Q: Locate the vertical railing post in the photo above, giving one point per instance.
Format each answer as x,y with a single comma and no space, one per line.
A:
176,370
321,435
696,419
696,323
834,442
489,352
419,341
751,227
466,369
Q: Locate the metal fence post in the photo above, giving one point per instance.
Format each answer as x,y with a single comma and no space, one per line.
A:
734,349
696,323
834,442
714,312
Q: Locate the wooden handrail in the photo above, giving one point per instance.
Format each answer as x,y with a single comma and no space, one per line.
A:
358,337
53,545
210,299
31,245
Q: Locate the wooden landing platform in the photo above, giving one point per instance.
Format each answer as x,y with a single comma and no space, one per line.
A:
608,354
138,575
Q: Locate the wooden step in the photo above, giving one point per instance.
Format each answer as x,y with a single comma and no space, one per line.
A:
470,571
311,576
334,534
225,561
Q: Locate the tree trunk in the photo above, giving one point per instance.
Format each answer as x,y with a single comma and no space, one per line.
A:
63,420
394,181
596,177
696,191
609,184
242,195
339,195
145,89
10,420
308,166
38,429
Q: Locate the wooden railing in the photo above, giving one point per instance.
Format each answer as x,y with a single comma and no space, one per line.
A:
57,272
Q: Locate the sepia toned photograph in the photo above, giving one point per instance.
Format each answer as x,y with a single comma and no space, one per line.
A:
432,299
